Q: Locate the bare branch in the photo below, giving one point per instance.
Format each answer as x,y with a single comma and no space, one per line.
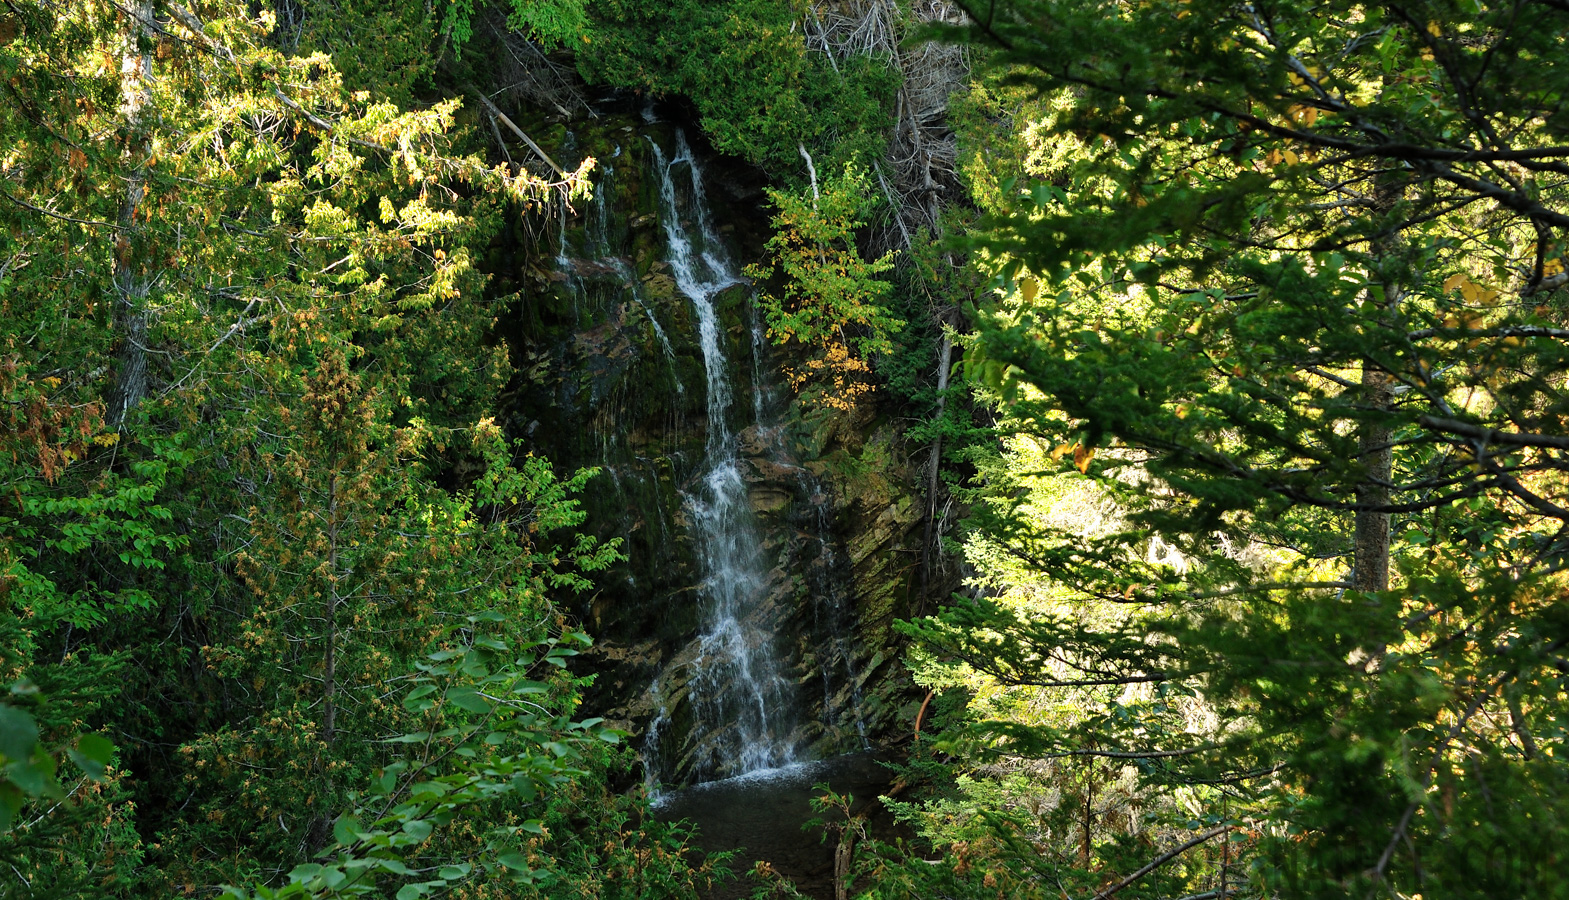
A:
494,111
1493,435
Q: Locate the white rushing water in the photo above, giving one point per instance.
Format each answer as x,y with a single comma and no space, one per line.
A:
742,714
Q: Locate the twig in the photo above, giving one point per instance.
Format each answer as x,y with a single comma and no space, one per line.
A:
1162,859
1427,777
63,217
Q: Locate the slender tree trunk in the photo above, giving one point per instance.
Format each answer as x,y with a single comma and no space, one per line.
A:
1086,845
844,855
1371,539
934,464
329,682
1371,533
131,283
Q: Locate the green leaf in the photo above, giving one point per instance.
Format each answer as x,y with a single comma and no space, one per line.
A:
91,768
393,865
469,699
10,804
346,830
414,695
18,733
524,787
514,861
96,747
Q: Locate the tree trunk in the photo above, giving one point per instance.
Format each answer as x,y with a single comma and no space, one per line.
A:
131,283
844,854
1371,533
1371,559
329,683
1086,843
934,464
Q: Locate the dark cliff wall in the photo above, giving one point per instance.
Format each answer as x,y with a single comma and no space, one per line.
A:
613,376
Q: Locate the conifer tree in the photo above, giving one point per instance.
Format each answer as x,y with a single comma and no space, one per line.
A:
1296,313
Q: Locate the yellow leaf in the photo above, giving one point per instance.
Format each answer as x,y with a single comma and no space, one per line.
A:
1061,450
1454,281
1434,30
1290,157
1082,457
1029,287
1470,291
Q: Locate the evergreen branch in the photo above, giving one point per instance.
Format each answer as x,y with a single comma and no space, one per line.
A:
1429,160
194,25
1272,586
1128,754
1232,778
1164,858
1021,681
54,215
1512,485
1492,435
1427,777
1460,334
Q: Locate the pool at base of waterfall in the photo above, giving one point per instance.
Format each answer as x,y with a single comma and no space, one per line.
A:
763,815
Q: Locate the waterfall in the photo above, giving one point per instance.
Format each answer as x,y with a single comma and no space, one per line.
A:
600,254
832,617
599,235
741,704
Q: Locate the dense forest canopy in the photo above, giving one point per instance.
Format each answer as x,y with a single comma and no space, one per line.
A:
1225,345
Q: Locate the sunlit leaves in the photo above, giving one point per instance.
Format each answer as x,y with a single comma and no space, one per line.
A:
831,303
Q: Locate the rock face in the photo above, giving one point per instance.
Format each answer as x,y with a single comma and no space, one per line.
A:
672,395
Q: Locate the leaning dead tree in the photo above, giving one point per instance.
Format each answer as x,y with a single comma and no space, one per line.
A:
918,168
524,74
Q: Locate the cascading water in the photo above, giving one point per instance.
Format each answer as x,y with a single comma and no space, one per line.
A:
599,234
741,705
